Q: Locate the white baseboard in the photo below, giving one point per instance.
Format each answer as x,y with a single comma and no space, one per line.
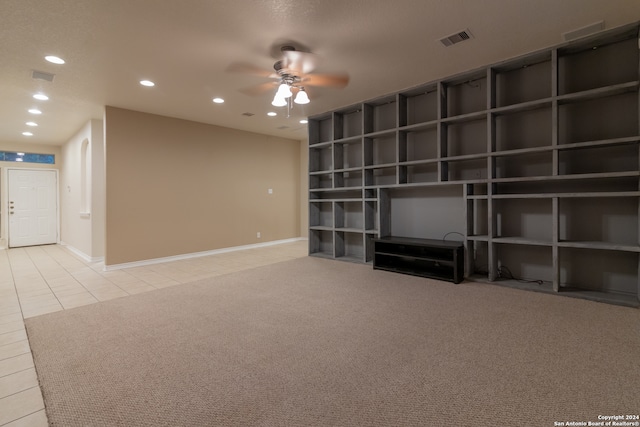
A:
81,254
198,254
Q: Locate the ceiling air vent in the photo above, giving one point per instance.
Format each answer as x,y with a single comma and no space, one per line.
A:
282,127
248,114
41,75
458,37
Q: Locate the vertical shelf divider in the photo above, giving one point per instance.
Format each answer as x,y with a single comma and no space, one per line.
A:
443,166
492,256
555,255
384,213
469,245
555,169
638,95
401,146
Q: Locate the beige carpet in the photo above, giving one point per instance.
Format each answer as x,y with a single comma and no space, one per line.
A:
314,342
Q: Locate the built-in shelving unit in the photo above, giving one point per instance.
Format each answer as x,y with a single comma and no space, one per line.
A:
533,164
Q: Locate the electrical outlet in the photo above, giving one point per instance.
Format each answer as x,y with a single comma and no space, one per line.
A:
258,235
270,191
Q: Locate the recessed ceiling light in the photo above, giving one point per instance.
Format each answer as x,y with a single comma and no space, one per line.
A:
304,121
27,133
54,59
218,100
41,96
31,124
35,111
147,83
271,113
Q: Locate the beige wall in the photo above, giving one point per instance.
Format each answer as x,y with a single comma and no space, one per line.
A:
20,147
177,187
82,226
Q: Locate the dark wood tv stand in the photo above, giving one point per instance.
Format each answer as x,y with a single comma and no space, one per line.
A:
436,259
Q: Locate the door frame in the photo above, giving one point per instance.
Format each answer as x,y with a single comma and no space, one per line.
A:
4,202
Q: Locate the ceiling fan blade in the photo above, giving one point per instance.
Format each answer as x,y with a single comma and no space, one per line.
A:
243,68
260,89
328,80
299,62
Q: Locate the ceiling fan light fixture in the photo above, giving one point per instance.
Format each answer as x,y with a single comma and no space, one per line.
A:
302,97
284,91
279,101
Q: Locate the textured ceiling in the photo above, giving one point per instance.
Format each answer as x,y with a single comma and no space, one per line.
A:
186,46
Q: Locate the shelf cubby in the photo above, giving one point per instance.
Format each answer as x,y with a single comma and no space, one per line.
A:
380,115
526,218
466,94
371,220
380,176
603,275
523,129
320,158
524,165
477,257
608,117
525,262
523,80
371,194
419,105
465,138
380,150
351,178
350,246
320,181
418,144
618,158
420,173
348,123
478,217
340,194
320,130
349,214
347,154
464,169
607,64
478,189
612,221
321,243
321,214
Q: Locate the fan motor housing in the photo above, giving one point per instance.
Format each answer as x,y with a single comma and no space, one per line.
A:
285,74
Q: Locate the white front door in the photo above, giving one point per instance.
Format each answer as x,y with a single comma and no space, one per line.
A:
33,207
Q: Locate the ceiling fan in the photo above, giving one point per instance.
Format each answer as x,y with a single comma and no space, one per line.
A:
293,72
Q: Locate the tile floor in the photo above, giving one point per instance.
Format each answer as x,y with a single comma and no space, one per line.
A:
44,279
